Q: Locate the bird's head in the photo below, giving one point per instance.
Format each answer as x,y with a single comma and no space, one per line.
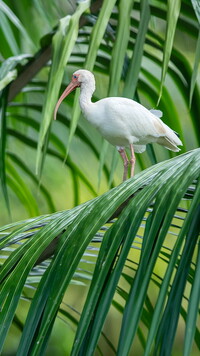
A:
81,78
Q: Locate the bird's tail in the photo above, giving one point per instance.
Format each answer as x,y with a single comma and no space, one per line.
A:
170,143
170,140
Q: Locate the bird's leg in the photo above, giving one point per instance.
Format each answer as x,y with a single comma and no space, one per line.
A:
132,160
125,160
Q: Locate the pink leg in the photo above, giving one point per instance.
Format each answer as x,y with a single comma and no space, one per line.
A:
132,160
125,160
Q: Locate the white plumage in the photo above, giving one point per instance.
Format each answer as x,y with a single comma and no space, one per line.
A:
122,122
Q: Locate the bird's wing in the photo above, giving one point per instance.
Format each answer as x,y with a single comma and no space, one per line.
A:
159,126
145,122
133,118
127,118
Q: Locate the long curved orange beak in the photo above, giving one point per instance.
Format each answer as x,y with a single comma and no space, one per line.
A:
73,85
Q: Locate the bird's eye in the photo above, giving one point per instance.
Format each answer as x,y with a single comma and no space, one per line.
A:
75,76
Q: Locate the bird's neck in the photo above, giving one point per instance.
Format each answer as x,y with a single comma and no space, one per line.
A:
85,98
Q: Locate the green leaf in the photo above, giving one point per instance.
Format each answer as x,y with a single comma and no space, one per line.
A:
135,63
120,46
172,18
26,169
63,43
161,220
115,160
100,295
22,190
104,150
8,69
192,309
24,263
3,104
61,277
195,69
13,18
168,275
195,4
9,35
159,181
168,325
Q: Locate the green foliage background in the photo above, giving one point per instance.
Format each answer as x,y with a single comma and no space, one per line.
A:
141,267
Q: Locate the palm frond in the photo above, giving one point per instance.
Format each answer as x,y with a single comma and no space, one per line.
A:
146,214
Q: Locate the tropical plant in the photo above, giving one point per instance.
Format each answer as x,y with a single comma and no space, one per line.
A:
114,243
165,232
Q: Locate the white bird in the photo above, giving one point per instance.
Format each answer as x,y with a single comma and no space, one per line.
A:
122,122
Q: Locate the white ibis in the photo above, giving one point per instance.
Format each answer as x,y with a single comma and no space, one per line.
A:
122,122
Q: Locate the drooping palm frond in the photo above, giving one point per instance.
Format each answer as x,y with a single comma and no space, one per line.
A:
161,215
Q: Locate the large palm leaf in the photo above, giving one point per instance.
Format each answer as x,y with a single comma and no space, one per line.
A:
161,216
